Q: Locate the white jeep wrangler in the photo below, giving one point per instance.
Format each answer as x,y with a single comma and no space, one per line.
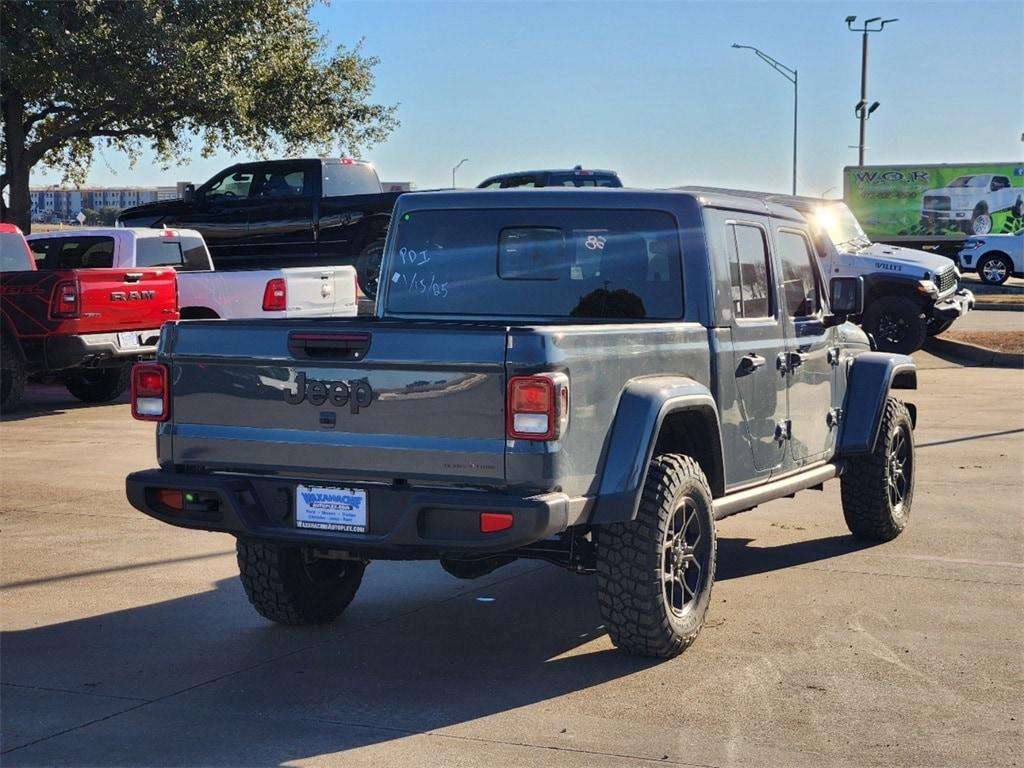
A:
908,295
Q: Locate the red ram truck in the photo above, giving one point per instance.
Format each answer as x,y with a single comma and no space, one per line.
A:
72,323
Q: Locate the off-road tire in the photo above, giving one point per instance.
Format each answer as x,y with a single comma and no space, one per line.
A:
99,385
938,326
12,376
286,588
993,280
631,563
907,315
867,501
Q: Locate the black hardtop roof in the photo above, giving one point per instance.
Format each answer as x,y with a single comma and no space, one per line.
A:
605,197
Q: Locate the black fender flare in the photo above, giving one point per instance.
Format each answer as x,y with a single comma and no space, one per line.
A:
644,405
871,376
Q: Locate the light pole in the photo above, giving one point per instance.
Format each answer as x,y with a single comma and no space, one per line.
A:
789,74
862,110
463,160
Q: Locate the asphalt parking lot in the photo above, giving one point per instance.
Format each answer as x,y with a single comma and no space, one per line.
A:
127,642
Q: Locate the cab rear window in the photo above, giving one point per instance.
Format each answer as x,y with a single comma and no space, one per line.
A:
184,254
89,252
551,263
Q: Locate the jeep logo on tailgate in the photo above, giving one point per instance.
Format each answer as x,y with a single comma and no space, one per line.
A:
354,394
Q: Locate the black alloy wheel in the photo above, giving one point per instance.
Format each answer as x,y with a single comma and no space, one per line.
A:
687,558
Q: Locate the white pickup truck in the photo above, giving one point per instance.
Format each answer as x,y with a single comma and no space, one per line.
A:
202,292
971,200
995,258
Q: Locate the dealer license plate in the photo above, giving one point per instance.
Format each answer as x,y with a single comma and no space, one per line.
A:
128,340
330,509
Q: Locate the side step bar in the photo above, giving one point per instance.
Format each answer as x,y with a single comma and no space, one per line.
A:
776,489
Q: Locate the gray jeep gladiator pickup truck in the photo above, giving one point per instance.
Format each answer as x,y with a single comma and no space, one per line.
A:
587,378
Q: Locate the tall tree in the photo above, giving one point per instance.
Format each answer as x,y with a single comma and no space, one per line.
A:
237,75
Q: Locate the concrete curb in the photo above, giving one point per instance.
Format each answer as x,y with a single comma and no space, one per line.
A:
992,307
989,358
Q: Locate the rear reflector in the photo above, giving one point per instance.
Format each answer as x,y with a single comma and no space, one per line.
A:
275,295
171,498
150,395
491,522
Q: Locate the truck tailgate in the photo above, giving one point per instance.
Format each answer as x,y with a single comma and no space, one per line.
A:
339,399
321,291
126,299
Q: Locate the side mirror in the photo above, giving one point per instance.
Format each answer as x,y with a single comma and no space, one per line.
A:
188,194
846,297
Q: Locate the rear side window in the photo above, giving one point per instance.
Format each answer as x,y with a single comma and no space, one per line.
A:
799,279
74,252
512,182
583,180
751,272
540,263
14,255
355,179
282,182
184,254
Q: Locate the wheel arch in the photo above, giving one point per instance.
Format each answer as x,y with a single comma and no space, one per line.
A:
871,377
668,414
198,313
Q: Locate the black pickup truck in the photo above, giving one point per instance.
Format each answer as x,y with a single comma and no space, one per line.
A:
284,213
591,380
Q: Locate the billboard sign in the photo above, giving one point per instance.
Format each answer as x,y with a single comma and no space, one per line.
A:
893,201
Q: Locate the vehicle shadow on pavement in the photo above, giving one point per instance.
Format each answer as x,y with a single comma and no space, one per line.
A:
51,400
416,652
737,558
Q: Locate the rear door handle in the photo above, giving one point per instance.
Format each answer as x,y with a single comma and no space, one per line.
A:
132,277
796,359
751,362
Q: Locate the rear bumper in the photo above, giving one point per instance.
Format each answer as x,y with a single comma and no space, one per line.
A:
404,523
957,305
60,352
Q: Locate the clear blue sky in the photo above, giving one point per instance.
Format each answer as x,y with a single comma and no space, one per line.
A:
654,90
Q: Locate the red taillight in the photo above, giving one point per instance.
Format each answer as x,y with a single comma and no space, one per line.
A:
171,498
491,522
347,161
538,406
150,393
65,301
169,233
275,295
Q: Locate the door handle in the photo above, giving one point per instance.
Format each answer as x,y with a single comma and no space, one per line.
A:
750,363
796,359
133,277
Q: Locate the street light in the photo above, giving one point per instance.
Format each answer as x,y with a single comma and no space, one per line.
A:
861,109
789,74
463,160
